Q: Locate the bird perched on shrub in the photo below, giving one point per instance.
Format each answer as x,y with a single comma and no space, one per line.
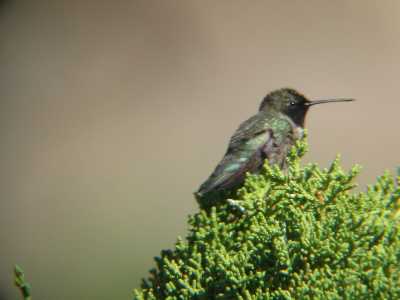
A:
268,135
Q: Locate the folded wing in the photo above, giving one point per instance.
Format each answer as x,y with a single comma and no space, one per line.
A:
244,154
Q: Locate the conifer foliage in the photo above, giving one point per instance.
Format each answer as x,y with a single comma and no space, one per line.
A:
295,234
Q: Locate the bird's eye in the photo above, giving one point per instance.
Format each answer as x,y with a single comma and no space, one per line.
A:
292,103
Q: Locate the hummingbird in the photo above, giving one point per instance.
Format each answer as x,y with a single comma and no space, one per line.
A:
266,136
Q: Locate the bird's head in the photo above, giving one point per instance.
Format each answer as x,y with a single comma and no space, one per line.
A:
291,103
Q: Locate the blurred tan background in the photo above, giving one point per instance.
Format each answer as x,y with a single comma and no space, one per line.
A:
113,112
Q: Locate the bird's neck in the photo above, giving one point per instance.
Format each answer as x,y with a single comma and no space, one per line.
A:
298,117
298,130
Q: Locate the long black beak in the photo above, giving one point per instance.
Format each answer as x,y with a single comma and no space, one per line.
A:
329,100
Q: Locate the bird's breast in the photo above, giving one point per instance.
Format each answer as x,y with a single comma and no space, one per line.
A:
298,132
